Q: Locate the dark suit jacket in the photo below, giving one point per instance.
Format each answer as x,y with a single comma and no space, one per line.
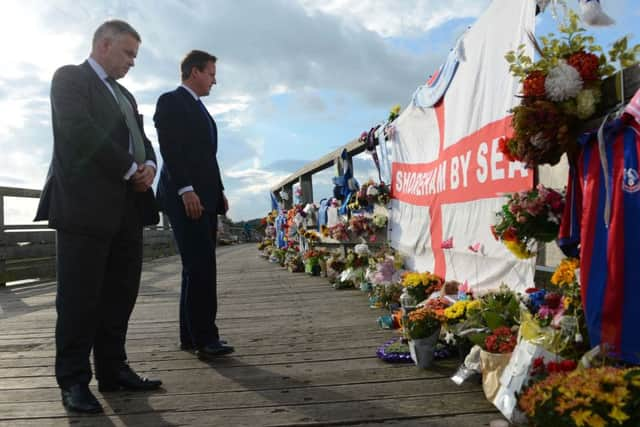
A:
85,187
188,151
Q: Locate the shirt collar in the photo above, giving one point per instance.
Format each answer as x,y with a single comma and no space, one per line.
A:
188,89
97,68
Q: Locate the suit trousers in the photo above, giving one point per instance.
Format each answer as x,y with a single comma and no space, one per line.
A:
98,282
196,240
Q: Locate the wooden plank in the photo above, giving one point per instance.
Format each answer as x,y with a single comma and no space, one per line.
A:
304,356
15,237
19,192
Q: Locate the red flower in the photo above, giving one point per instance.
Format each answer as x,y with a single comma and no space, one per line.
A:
494,233
502,340
552,300
533,85
586,63
568,365
510,234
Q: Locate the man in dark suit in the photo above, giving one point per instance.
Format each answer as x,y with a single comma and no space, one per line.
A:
190,192
98,197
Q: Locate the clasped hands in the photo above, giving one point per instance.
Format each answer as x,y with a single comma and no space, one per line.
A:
143,178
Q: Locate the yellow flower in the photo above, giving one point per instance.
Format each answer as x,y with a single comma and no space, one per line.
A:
580,416
596,420
618,414
474,305
565,274
396,109
519,249
456,310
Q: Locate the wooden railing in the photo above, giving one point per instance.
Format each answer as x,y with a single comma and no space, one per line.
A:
615,91
28,251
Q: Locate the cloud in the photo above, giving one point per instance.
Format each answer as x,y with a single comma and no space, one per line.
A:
402,19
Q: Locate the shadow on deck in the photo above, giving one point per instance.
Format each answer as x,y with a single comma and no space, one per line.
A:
305,355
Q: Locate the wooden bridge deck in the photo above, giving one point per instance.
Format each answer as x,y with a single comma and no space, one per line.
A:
305,355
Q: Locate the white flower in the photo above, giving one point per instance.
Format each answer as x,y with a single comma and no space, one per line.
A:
361,249
538,140
563,82
586,103
372,191
449,337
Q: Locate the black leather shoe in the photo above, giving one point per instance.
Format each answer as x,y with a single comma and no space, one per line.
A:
213,350
191,349
78,398
127,379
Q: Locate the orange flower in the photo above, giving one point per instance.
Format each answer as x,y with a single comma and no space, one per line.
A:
533,85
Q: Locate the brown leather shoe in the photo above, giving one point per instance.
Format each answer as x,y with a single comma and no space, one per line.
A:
78,398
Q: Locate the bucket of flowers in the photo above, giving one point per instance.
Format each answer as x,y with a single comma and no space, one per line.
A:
312,262
423,329
492,324
529,217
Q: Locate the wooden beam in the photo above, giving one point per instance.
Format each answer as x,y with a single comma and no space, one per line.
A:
19,192
3,243
306,185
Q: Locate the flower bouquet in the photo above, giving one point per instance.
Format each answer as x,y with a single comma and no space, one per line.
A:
385,294
312,262
421,285
562,309
370,194
560,89
293,262
338,232
594,397
423,328
361,226
529,217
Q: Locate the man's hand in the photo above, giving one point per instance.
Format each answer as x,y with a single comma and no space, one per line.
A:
143,178
192,204
226,203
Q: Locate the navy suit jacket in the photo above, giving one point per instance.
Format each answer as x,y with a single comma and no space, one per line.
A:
85,188
189,146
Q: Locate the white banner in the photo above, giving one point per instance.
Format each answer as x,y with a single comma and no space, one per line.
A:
448,176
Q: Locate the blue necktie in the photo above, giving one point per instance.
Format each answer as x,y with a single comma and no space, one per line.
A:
208,118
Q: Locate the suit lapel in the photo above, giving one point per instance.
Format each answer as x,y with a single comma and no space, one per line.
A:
100,88
196,111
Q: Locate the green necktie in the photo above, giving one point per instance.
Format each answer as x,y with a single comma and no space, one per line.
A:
139,153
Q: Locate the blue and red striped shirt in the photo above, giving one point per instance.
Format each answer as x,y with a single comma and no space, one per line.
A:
601,224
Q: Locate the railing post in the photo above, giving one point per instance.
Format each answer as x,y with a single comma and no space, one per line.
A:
3,244
288,188
306,185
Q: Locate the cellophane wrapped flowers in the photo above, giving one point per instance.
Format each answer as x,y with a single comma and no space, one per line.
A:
527,217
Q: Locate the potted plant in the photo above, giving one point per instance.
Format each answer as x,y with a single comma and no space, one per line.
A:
423,328
421,285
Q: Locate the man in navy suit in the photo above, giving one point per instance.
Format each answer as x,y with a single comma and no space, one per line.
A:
190,192
98,197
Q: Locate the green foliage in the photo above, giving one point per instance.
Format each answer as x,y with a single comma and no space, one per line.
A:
572,39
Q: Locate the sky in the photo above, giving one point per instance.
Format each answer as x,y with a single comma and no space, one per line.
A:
296,79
